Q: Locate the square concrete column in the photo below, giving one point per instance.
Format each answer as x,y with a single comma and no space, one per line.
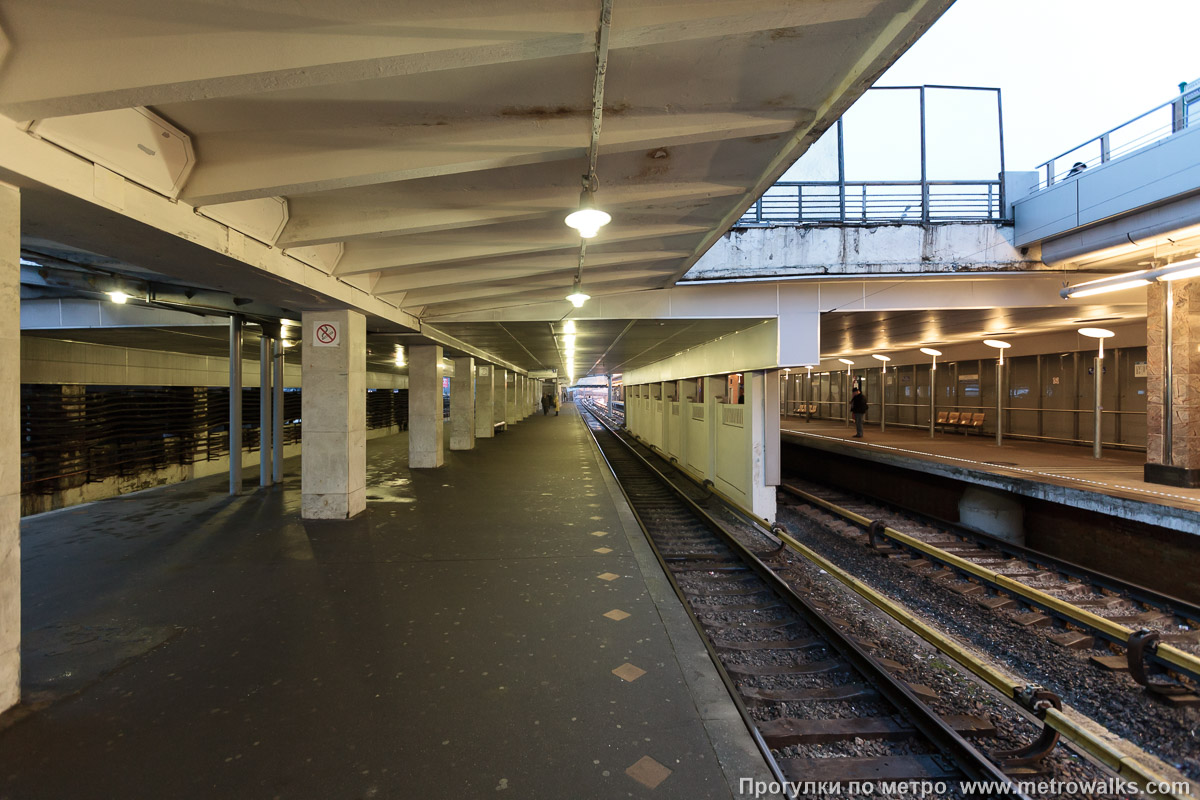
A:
333,468
522,399
499,383
511,414
462,404
425,409
10,446
485,402
1173,383
762,417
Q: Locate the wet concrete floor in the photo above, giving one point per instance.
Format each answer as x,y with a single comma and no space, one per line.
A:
449,642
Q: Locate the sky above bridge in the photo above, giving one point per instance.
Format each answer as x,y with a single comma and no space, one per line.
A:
1068,69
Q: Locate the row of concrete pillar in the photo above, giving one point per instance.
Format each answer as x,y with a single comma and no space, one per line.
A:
483,398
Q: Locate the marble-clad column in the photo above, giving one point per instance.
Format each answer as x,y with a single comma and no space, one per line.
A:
1173,359
333,469
10,447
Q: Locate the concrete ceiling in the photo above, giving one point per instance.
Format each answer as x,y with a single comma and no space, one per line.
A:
441,144
601,347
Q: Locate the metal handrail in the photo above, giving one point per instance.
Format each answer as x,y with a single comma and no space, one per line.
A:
828,201
799,202
1176,124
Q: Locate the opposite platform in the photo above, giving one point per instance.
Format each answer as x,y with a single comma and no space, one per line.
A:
1067,474
493,628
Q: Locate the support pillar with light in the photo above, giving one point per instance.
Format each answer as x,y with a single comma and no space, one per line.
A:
1173,360
1173,356
929,351
1001,346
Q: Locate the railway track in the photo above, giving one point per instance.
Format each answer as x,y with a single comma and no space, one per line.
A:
1159,635
823,709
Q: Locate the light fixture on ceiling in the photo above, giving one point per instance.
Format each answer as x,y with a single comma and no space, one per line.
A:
588,220
1180,270
118,297
577,297
1116,283
846,361
882,358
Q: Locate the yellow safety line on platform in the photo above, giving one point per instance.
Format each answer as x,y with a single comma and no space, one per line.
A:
1165,652
1125,765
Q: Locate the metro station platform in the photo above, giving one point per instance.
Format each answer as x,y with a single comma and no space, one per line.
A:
497,627
1061,473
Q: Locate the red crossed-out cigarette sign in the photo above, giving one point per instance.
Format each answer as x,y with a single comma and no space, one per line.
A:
327,334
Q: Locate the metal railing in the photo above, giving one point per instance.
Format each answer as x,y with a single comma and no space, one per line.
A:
1145,129
802,202
916,201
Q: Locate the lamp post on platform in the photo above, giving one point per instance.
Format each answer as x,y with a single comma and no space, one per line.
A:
1100,334
808,404
882,391
1001,346
929,351
845,404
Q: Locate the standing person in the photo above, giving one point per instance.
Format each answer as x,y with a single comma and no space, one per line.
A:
554,402
858,407
545,404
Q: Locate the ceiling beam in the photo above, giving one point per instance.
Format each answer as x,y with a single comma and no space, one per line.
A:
541,298
155,54
429,250
408,208
559,282
247,165
391,283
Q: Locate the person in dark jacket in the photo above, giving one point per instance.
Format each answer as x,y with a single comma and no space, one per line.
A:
546,401
858,407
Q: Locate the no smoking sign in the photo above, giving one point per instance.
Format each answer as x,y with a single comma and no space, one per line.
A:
327,334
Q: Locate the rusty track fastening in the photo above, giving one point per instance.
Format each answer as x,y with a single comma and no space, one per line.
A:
874,531
1037,700
1139,642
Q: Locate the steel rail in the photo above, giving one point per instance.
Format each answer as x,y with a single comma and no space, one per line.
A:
966,756
1129,763
1165,654
1126,765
